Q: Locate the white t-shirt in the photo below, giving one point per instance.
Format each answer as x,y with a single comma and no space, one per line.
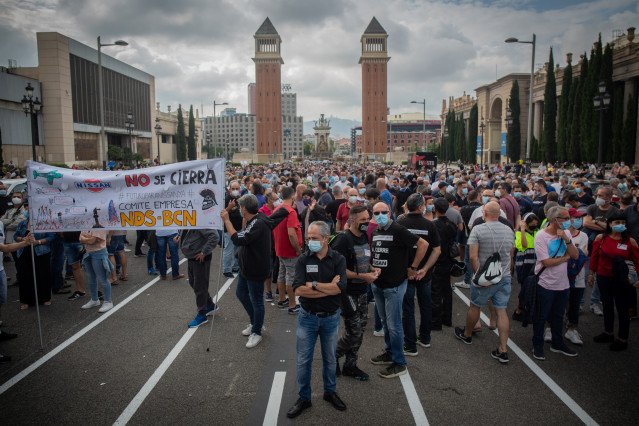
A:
479,212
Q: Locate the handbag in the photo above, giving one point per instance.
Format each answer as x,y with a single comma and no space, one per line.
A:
620,269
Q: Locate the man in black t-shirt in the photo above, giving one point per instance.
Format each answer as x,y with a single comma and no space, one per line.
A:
332,207
353,245
415,222
441,292
390,246
540,199
402,194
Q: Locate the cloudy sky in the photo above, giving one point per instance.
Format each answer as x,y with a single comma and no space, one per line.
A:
200,50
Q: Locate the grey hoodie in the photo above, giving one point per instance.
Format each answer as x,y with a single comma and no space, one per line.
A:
196,241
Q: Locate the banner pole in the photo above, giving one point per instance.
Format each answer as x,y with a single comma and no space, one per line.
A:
217,297
35,284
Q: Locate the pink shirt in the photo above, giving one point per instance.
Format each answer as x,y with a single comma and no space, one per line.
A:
100,242
554,277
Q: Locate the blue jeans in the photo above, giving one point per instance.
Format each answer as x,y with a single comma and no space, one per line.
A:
251,295
468,275
161,257
151,255
389,304
552,308
371,298
98,268
228,257
3,286
308,328
425,312
57,263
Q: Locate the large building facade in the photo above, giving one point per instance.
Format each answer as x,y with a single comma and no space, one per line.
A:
374,60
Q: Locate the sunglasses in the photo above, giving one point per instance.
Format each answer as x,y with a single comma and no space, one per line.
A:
384,212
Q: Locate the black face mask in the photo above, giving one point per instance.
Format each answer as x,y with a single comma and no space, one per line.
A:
363,227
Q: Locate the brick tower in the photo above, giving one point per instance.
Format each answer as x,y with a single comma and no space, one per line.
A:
374,59
268,83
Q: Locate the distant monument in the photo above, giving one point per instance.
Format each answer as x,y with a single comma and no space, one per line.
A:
322,132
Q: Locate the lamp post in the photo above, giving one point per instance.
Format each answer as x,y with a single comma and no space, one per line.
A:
158,130
215,123
424,123
390,136
601,103
129,124
208,144
446,143
101,96
509,121
29,106
532,75
482,126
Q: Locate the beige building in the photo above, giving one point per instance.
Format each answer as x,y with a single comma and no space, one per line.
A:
165,140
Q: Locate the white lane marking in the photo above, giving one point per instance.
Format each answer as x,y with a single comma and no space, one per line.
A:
413,400
30,369
275,399
137,401
552,385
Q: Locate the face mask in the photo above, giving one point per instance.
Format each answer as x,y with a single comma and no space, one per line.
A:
619,228
267,185
564,225
16,200
465,191
578,190
235,193
600,202
352,199
242,187
382,220
289,183
363,227
362,191
306,202
534,228
498,193
621,186
430,208
26,214
577,223
537,192
3,192
485,200
314,246
402,189
622,164
241,214
277,203
517,195
343,179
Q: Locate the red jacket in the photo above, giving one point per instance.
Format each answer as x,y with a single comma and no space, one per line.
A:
607,249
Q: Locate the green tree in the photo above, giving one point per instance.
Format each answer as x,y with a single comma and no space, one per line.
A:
563,126
629,132
460,136
192,148
308,148
473,123
575,151
514,131
534,150
549,137
180,137
447,150
605,75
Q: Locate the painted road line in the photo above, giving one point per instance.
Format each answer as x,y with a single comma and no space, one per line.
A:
275,399
30,369
137,401
561,394
413,400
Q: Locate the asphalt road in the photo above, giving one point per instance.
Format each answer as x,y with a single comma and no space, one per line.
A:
141,365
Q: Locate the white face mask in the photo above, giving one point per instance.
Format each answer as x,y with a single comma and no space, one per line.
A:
277,203
16,200
352,199
235,193
289,183
498,193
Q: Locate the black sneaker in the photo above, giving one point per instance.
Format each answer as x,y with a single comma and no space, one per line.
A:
283,304
563,349
604,338
518,316
294,311
423,343
393,370
500,356
410,352
337,370
618,345
383,359
76,295
355,372
539,354
459,333
141,254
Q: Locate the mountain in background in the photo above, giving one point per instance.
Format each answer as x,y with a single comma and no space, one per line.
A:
340,127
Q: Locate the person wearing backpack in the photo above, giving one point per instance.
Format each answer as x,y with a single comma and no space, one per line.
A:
491,246
610,250
441,292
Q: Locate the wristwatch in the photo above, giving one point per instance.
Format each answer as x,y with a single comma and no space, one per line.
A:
414,268
314,285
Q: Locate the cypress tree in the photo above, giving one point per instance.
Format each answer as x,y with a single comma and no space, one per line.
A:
549,137
563,126
514,132
447,146
180,142
473,123
192,149
629,132
608,115
588,91
460,152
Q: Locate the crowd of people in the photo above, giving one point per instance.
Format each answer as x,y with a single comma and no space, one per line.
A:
336,237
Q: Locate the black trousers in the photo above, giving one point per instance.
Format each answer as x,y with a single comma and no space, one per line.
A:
141,237
442,296
615,293
199,275
354,327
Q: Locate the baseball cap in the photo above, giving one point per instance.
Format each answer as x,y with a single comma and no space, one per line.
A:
573,212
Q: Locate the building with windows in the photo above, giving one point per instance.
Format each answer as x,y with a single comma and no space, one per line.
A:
404,131
165,140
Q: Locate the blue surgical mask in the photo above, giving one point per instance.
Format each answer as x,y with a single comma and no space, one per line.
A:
26,214
485,200
362,191
241,214
577,223
619,228
430,207
578,190
314,246
3,192
343,179
564,225
517,195
465,191
382,220
537,192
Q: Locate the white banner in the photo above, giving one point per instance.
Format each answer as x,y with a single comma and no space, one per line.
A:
180,195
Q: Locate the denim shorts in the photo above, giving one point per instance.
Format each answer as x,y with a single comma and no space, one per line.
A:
117,244
498,294
72,252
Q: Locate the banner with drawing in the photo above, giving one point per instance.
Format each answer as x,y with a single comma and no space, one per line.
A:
180,195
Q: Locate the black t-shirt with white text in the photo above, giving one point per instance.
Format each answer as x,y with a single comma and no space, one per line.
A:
390,249
425,229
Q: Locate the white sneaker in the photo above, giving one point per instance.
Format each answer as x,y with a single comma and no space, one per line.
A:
91,304
548,335
253,340
462,284
595,309
378,333
106,306
574,337
247,330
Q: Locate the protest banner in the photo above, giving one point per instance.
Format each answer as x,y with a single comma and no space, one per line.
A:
180,195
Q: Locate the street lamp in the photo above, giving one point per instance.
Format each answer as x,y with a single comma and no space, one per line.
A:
208,143
101,96
446,143
29,106
532,74
424,124
215,123
158,130
129,124
601,103
482,126
509,121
